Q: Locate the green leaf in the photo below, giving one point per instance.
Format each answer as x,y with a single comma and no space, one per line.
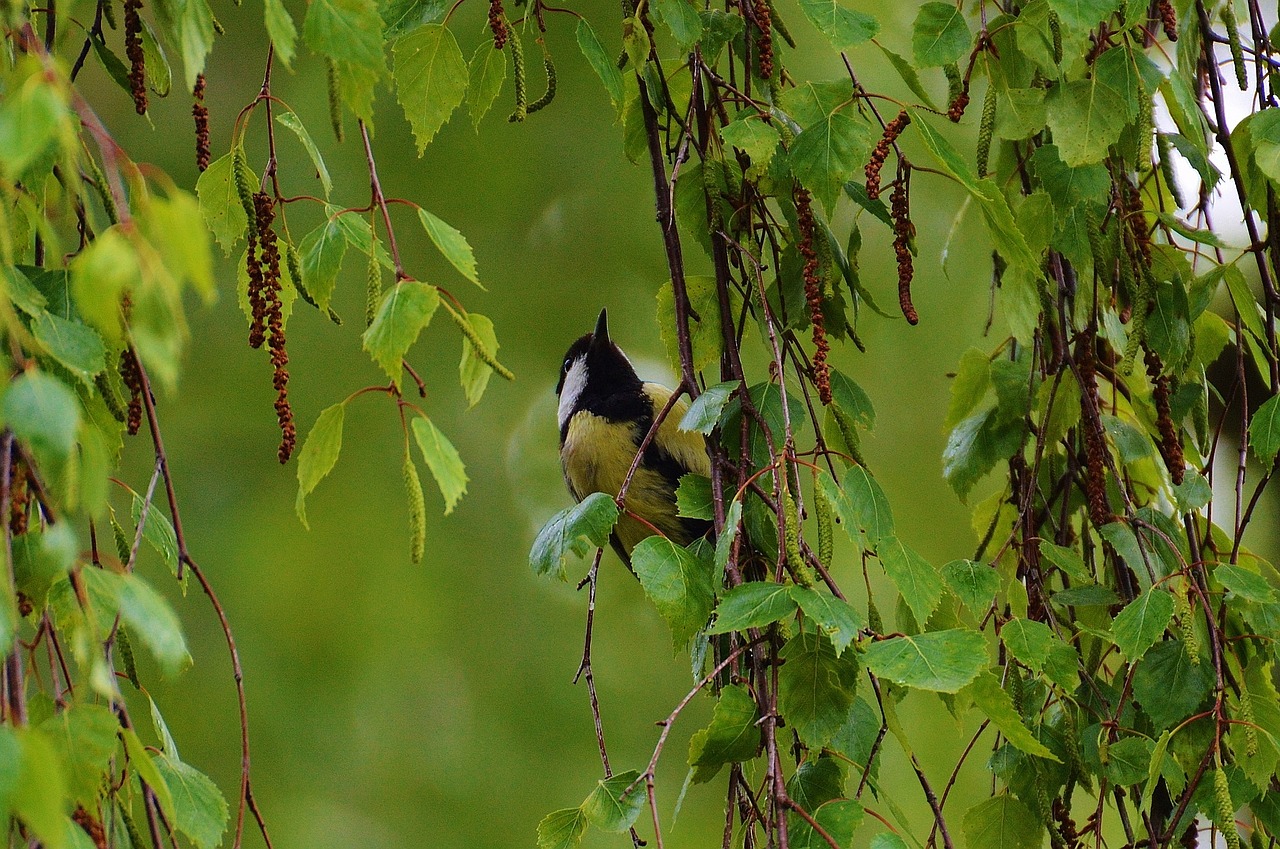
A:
1129,760
281,29
159,74
975,584
1086,596
828,153
100,274
701,291
85,738
21,291
319,454
43,412
1245,584
1143,620
10,766
1020,112
836,618
452,244
40,792
999,708
150,617
1002,822
704,413
30,119
486,72
869,506
693,497
347,31
839,818
199,804
752,604
188,24
940,35
601,62
1169,685
682,19
1029,641
443,461
405,310
844,28
679,583
815,688
943,661
909,75
1082,14
915,577
968,387
473,371
753,137
401,16
146,770
609,809
587,523
158,532
294,124
562,829
733,734
220,202
431,80
816,781
322,251
1068,560
1086,118
78,348
1264,431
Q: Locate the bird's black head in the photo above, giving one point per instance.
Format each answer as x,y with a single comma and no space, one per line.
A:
596,376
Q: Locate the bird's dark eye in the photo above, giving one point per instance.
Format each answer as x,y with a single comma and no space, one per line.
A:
564,369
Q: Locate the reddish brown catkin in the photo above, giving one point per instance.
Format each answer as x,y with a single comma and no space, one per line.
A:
764,38
201,114
133,50
1095,447
273,318
1168,19
813,293
498,24
1170,445
891,132
131,375
18,499
91,827
900,209
257,280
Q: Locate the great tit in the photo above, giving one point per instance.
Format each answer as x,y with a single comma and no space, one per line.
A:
605,413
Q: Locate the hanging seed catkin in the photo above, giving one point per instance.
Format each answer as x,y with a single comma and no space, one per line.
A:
550,94
986,130
1225,809
1228,16
517,65
417,510
335,101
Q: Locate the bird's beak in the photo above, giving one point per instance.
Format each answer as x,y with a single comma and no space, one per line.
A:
600,338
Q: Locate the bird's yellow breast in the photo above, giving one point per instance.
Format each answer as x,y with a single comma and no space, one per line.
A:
597,454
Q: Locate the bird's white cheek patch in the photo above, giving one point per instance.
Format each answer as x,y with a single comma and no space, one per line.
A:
574,382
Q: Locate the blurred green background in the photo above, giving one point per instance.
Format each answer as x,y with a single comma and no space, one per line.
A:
394,705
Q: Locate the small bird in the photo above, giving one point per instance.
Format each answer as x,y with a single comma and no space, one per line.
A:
605,413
